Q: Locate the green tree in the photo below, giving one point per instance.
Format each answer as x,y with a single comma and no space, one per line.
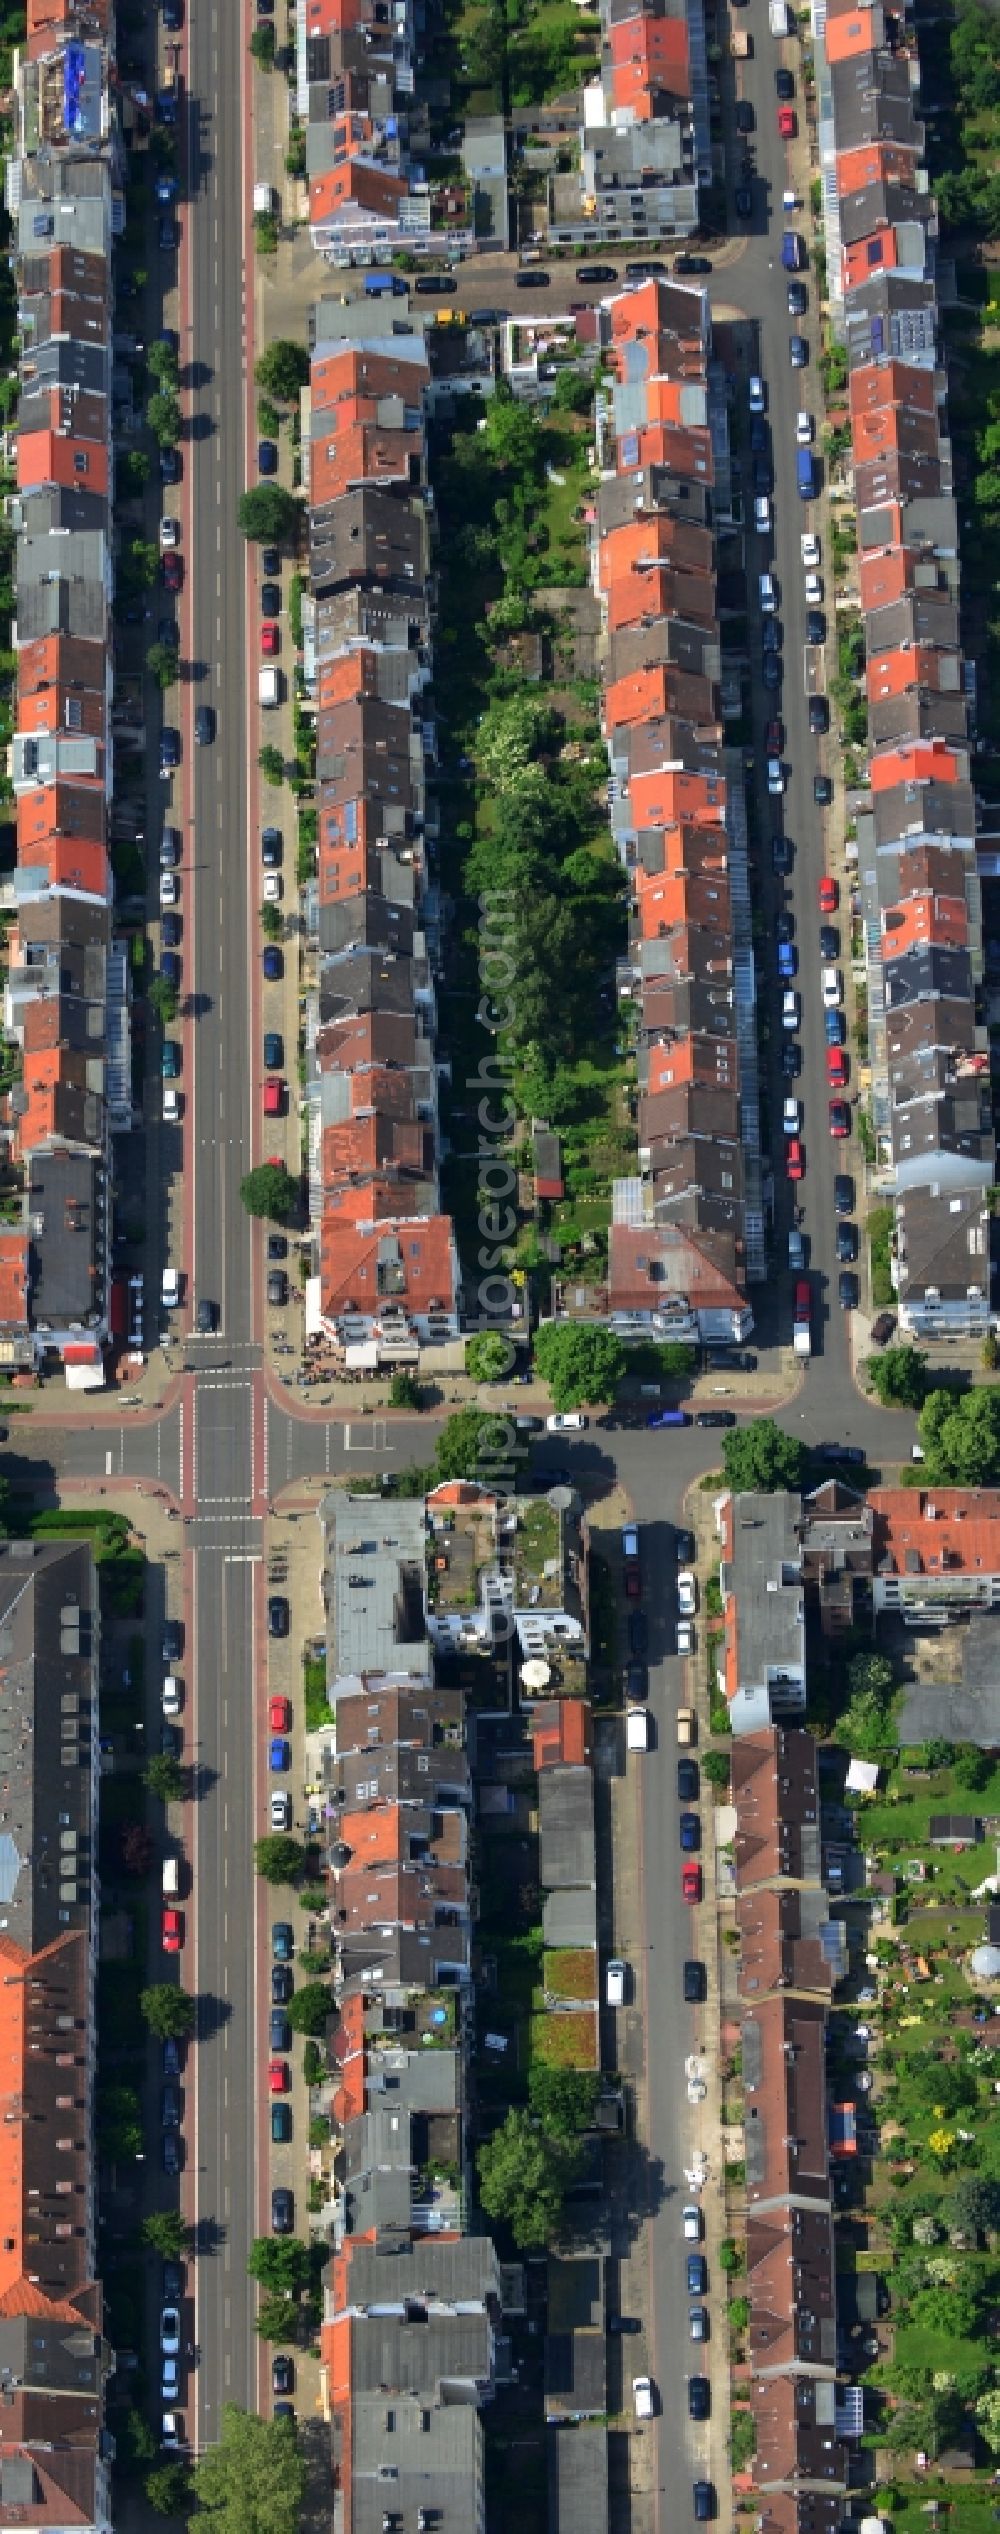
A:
164,2230
134,471
271,763
263,46
523,2174
271,924
119,2122
961,1438
163,663
973,1768
938,1754
563,2099
277,2318
899,1377
168,2489
280,2263
164,1777
268,515
279,1858
310,2009
313,2066
163,414
405,1391
512,438
988,2418
162,364
254,2480
582,1366
974,2208
949,2310
758,1458
871,1675
473,1445
169,2012
488,1356
141,563
715,1767
866,1727
283,368
739,2313
161,997
270,1192
731,2259
573,392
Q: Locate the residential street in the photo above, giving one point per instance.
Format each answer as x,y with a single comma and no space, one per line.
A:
225,1445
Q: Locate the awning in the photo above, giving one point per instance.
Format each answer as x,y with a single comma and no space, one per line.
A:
362,1359
88,1376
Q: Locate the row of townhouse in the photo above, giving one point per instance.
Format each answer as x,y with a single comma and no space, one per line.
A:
791,1955
411,2335
644,140
67,993
687,1233
387,1281
917,819
55,2454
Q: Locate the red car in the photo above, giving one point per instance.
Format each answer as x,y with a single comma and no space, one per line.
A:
691,1881
172,1930
270,641
172,568
840,1119
277,2076
279,1714
633,1584
274,1097
829,897
786,122
795,1160
836,1068
774,738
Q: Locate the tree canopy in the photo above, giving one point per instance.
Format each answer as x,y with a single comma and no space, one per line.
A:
961,1438
473,1445
280,2263
254,2480
279,1858
488,1356
523,2174
165,2232
975,2206
310,2008
169,2011
758,1458
563,2099
268,515
899,1377
283,368
270,1192
582,1366
164,417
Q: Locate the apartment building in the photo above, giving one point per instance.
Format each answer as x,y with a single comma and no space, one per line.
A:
916,824
54,2460
67,999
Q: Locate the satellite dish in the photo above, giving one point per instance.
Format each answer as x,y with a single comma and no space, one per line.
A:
560,1498
536,1674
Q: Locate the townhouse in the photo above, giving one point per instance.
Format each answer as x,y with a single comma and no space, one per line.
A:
687,1232
916,814
67,999
791,1955
387,1280
54,2460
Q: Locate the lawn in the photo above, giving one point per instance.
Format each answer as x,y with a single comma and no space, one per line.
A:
566,2039
570,1971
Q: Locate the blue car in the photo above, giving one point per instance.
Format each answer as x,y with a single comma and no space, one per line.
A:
690,1831
267,457
835,1027
697,2274
282,1940
788,959
272,961
281,1753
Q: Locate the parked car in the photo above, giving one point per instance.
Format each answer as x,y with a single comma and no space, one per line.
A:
170,2331
282,1983
697,2274
695,1983
689,1826
840,1118
614,1983
697,2323
687,1593
691,1883
687,1781
637,1633
282,2212
282,1940
277,1615
171,1930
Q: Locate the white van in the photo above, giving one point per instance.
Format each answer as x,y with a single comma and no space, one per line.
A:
636,1729
614,1983
171,1104
170,1877
170,1289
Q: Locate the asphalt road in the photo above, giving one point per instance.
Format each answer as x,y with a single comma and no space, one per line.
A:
220,949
